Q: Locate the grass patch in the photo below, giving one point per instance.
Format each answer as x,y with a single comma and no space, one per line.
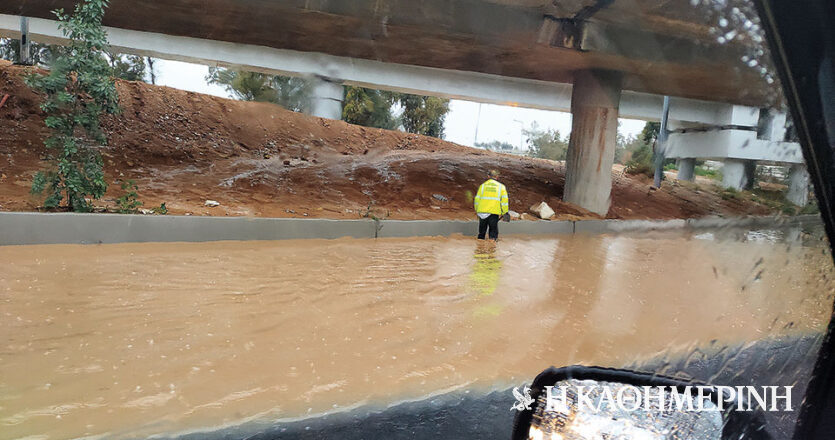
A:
729,194
707,172
810,208
777,201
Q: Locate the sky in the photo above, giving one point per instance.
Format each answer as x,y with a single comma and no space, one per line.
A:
466,123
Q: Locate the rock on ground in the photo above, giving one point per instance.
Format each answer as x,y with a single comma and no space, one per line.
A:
542,210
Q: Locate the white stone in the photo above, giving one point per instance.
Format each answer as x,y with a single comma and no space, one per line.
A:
542,210
211,203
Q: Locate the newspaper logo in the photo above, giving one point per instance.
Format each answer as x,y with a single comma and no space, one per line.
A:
523,401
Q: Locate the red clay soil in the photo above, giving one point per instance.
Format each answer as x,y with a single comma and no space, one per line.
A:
258,159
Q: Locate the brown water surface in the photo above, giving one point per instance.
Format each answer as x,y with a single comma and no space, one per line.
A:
131,340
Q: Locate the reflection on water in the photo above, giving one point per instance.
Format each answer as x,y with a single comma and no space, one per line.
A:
484,277
135,339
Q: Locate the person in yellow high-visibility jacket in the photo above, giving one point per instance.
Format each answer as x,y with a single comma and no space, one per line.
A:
491,203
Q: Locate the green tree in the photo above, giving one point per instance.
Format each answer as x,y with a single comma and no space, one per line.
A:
626,146
78,89
292,93
650,132
42,54
375,108
636,151
423,114
288,92
247,86
545,144
495,145
369,108
641,161
127,67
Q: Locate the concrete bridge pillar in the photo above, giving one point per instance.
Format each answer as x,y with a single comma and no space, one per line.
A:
595,98
738,174
25,43
686,169
327,98
798,192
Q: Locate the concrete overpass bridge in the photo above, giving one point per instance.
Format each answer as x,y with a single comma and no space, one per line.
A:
600,60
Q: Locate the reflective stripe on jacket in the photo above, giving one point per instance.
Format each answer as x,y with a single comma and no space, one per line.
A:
492,198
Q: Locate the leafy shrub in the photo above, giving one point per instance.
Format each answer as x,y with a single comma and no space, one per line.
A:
810,208
77,91
161,209
641,162
546,144
729,194
129,202
707,172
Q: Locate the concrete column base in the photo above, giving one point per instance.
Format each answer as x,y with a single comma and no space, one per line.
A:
798,192
736,174
686,169
595,98
327,98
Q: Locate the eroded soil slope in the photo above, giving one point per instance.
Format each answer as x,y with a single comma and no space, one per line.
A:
258,159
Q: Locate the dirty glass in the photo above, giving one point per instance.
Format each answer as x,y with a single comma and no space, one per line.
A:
287,244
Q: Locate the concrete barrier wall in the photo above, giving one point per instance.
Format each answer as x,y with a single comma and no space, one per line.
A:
38,228
17,228
604,226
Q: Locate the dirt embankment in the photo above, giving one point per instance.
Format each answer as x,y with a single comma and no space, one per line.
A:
258,159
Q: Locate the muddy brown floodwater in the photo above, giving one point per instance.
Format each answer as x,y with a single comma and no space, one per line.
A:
131,340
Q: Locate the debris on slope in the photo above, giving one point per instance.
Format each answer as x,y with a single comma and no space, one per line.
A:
257,159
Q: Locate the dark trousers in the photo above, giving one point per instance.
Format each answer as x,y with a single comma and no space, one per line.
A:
491,223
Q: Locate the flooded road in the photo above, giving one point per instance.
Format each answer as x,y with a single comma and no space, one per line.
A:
132,340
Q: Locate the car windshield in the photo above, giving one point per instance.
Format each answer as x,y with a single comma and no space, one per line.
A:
358,219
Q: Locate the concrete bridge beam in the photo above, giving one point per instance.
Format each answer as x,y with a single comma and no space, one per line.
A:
595,99
403,78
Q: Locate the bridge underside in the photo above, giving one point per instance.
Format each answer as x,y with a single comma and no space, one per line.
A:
660,47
